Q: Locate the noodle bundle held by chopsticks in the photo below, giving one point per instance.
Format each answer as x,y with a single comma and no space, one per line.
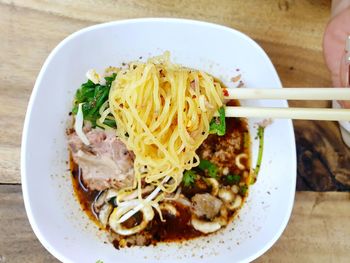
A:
163,112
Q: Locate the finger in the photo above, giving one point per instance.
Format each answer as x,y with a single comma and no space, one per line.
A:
335,35
344,104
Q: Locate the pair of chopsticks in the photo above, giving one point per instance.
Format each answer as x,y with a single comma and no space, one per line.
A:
297,94
289,94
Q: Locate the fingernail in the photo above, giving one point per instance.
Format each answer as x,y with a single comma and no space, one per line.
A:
345,65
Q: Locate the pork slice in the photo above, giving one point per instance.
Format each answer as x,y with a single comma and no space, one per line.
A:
206,205
105,163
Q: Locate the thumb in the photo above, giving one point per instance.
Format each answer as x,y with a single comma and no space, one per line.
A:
335,35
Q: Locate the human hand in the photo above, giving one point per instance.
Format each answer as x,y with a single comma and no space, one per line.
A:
336,33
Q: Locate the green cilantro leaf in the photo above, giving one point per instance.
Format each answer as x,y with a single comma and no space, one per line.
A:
233,178
209,166
188,178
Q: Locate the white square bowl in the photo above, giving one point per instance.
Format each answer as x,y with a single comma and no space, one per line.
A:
52,209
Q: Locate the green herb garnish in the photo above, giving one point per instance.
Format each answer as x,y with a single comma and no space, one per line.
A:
210,167
233,178
93,96
110,123
260,136
110,79
188,178
218,124
243,189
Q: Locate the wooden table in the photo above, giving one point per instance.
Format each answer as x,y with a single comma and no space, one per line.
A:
291,33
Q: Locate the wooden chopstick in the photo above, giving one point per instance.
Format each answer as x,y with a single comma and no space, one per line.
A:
289,113
290,94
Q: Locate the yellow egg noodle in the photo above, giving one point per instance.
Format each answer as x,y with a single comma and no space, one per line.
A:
162,111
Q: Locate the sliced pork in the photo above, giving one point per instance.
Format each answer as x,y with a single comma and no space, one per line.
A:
105,163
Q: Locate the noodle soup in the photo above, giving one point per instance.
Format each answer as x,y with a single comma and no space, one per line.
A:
149,165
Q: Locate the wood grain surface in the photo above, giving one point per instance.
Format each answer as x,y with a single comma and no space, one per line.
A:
291,33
